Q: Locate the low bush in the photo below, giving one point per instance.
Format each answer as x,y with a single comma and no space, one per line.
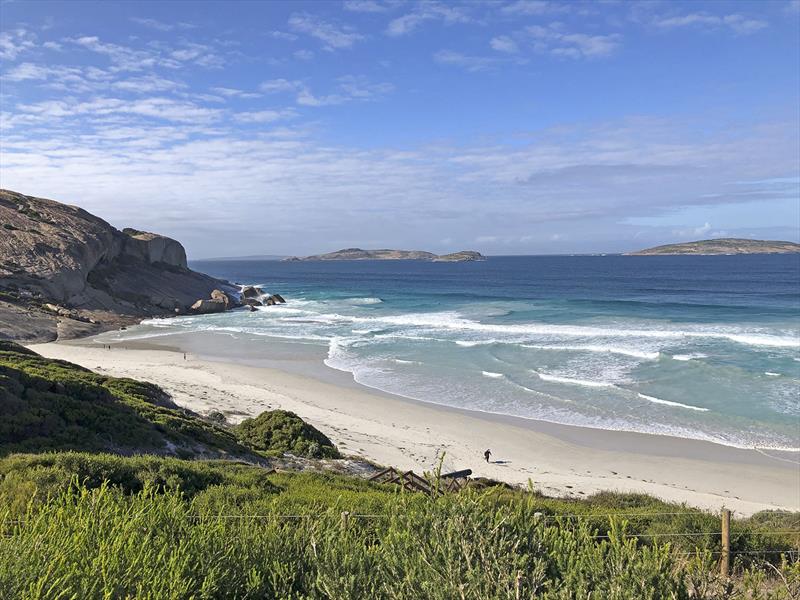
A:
283,431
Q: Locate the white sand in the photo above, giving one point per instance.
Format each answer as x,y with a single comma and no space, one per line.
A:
558,460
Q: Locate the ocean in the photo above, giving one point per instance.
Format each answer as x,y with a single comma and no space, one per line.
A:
701,347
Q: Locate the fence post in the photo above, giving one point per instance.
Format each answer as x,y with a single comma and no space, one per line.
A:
725,558
345,520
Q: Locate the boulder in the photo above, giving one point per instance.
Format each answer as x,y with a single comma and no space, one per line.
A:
251,308
221,296
270,301
250,291
279,298
203,307
252,302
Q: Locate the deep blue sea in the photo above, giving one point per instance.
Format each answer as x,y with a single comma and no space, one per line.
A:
704,347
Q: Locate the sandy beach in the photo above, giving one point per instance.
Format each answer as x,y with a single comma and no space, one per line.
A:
217,374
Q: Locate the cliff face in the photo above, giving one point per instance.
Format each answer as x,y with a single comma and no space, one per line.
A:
64,271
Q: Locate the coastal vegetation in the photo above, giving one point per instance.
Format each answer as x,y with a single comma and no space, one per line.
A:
283,431
48,405
93,526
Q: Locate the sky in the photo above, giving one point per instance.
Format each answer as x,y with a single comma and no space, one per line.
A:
508,127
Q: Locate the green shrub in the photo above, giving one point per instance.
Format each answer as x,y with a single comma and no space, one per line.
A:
283,431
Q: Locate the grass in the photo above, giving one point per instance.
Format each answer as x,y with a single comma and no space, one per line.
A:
153,530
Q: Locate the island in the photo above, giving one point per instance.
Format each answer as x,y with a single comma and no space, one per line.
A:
722,246
386,254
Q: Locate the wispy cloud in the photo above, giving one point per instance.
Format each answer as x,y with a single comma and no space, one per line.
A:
234,92
160,25
534,7
504,43
554,39
348,88
333,36
427,11
364,6
464,61
264,116
735,22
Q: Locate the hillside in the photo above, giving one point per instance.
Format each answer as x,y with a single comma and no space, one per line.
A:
722,246
386,254
65,272
53,405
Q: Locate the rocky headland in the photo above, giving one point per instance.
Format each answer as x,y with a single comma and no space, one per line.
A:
66,273
387,254
722,246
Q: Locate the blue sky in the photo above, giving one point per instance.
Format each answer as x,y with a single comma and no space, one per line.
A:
515,127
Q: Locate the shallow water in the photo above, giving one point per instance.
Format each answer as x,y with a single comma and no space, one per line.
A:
697,347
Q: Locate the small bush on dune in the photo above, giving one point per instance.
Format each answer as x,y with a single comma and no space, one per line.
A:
283,431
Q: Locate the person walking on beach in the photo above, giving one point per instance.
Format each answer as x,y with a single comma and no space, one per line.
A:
487,454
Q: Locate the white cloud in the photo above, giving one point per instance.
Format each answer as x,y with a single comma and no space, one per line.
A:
554,40
280,85
349,87
147,84
427,11
153,24
27,71
357,87
283,35
469,63
504,43
15,42
736,22
333,36
264,116
364,6
303,54
234,92
533,7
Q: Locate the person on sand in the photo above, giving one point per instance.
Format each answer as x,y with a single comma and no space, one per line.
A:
487,454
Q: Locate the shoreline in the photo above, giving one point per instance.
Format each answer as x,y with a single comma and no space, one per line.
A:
563,460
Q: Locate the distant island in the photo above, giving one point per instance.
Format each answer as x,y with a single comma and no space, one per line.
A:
386,254
722,246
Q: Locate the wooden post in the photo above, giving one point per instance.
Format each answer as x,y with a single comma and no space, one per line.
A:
725,558
518,586
345,520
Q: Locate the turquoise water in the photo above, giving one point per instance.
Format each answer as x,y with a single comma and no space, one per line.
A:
696,347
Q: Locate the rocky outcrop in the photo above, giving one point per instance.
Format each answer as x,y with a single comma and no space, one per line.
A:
97,276
386,254
250,291
463,256
723,246
204,307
